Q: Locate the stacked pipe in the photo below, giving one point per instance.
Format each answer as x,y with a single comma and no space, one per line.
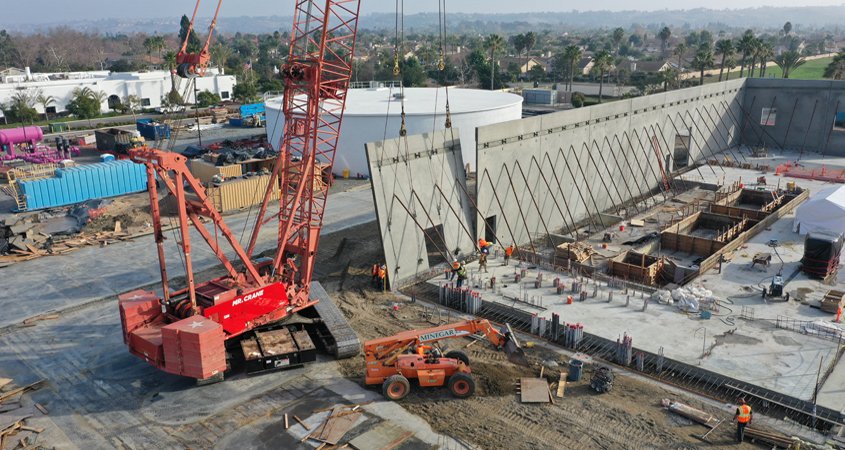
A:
461,299
555,327
572,335
624,346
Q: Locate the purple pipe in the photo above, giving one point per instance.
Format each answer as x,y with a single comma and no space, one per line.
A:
31,134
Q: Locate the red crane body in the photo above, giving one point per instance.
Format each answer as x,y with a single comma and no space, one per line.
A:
187,331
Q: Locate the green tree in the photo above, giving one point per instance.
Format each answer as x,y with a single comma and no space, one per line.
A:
745,46
702,61
494,44
193,41
724,47
789,60
132,104
602,63
21,106
207,98
787,27
45,101
578,99
413,73
537,73
8,53
679,51
664,35
836,69
530,41
245,92
85,103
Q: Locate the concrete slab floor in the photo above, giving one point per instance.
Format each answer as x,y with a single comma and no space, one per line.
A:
57,282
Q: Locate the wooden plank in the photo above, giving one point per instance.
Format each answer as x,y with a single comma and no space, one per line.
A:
534,390
6,395
300,422
4,381
8,420
561,385
41,408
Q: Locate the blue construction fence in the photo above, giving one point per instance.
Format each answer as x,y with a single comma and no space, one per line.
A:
87,182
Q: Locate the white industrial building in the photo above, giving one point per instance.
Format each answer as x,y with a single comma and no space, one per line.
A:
149,86
373,114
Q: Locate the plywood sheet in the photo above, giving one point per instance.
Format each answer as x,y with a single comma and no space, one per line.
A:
534,390
384,436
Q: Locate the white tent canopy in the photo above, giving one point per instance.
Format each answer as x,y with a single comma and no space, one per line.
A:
824,211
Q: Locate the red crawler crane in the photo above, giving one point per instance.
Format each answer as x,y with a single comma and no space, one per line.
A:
194,64
191,331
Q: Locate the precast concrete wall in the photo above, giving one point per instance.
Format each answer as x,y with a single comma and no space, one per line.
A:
794,114
419,185
545,174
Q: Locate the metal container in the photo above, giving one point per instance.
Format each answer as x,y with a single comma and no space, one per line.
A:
575,368
241,193
87,182
108,139
539,96
152,130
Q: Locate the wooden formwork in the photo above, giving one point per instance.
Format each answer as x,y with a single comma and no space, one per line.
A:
574,251
638,267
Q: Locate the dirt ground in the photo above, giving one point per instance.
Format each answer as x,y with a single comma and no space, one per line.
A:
132,211
630,416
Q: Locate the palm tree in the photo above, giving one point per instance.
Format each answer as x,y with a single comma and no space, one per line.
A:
170,60
756,44
220,54
703,60
789,60
529,41
572,53
494,44
787,27
724,47
679,51
730,63
744,47
602,62
518,42
618,35
767,51
836,68
664,36
45,101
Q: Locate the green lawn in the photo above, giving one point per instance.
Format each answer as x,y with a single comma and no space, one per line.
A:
811,70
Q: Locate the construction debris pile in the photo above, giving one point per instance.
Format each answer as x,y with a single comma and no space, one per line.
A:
691,299
15,432
61,230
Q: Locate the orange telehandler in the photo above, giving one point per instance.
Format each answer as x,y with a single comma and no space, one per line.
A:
392,361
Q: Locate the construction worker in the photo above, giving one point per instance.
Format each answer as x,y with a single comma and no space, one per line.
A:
743,418
455,266
482,262
375,270
462,275
484,246
382,277
508,253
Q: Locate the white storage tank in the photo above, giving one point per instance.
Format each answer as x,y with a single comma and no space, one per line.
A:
374,114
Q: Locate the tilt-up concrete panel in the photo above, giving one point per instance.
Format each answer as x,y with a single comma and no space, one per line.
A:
551,173
419,189
795,114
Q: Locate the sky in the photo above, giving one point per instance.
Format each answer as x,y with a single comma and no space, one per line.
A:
49,11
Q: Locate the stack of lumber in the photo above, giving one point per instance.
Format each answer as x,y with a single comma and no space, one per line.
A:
832,301
101,238
774,438
219,115
574,251
696,415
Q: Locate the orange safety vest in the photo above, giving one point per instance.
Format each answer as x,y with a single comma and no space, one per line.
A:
381,273
422,349
744,415
508,251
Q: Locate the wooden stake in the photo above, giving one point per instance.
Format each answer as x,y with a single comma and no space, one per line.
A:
41,408
301,422
287,425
